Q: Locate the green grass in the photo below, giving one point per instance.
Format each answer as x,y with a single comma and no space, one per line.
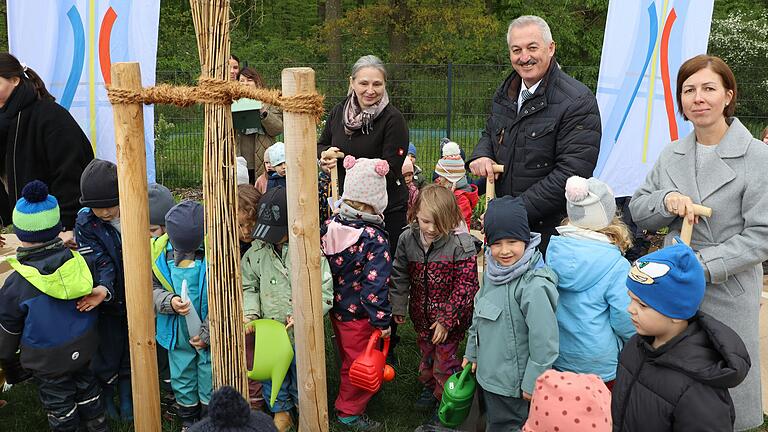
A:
393,404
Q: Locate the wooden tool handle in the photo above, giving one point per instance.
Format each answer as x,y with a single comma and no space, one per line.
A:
490,188
334,172
687,230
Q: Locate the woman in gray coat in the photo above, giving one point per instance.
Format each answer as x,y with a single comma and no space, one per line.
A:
720,165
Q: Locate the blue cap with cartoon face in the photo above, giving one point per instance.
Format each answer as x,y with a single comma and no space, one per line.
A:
670,280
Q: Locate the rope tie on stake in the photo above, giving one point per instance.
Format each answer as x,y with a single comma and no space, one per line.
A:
217,92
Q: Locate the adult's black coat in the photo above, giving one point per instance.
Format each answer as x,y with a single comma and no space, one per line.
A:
387,139
43,142
555,135
683,385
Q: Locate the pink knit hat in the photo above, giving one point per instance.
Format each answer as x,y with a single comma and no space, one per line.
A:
365,182
569,402
407,166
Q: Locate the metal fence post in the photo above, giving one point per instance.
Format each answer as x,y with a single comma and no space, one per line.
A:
449,101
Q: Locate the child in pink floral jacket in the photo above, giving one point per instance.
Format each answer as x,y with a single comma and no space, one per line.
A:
355,243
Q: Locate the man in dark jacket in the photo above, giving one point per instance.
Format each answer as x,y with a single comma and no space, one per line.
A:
544,127
48,310
674,374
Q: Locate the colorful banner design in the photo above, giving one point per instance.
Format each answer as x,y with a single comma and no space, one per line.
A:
72,45
645,43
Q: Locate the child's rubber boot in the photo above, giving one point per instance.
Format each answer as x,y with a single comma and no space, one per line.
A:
126,399
98,424
283,421
108,395
426,401
361,423
188,416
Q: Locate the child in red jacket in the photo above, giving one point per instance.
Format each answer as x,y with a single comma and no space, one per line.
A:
450,172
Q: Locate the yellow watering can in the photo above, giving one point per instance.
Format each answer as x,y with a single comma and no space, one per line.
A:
272,353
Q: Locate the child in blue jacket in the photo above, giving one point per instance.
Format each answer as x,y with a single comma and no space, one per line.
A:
48,308
178,259
587,257
97,232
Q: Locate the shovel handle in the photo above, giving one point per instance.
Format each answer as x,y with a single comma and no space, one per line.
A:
334,173
687,230
490,188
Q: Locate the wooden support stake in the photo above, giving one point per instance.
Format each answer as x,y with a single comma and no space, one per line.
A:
687,231
490,188
134,222
304,247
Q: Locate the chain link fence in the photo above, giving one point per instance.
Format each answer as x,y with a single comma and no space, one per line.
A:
446,100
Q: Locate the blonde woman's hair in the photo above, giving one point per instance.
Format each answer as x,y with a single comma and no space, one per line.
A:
440,203
617,232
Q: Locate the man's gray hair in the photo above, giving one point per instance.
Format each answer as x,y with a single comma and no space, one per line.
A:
527,20
368,61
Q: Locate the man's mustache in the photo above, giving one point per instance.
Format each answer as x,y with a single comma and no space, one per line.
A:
530,62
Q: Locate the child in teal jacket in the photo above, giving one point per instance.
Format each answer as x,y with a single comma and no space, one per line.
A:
514,334
178,257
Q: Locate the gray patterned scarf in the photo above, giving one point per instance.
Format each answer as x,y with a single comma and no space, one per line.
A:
357,118
499,274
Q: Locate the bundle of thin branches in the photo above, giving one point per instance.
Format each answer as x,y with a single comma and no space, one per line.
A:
225,294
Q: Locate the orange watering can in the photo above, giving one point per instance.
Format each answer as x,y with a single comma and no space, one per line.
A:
370,369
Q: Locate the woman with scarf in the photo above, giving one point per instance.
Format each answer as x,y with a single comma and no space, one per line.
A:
39,140
366,125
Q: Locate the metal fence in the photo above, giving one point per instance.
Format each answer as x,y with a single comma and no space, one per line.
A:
447,100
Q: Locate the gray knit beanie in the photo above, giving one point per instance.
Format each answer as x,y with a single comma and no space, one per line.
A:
590,203
160,201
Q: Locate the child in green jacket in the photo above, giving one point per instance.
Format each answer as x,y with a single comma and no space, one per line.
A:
514,333
266,269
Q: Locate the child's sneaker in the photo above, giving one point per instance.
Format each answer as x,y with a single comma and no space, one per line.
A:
361,423
426,400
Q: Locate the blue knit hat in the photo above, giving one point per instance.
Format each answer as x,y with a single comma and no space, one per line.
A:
670,280
411,149
36,217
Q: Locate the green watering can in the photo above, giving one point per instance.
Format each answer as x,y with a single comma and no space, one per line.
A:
272,353
458,393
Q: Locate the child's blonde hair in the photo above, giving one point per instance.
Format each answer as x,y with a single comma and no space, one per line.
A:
440,203
363,207
617,232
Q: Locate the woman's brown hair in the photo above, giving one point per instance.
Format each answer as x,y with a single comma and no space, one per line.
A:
716,65
440,203
251,73
10,67
764,134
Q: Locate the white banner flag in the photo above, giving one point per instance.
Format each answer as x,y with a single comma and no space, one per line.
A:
71,44
645,43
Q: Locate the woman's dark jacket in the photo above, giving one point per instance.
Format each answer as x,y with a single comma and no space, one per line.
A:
387,139
43,142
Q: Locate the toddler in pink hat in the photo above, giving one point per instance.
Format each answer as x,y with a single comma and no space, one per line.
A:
569,402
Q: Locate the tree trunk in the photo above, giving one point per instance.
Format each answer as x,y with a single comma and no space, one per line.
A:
397,32
332,15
